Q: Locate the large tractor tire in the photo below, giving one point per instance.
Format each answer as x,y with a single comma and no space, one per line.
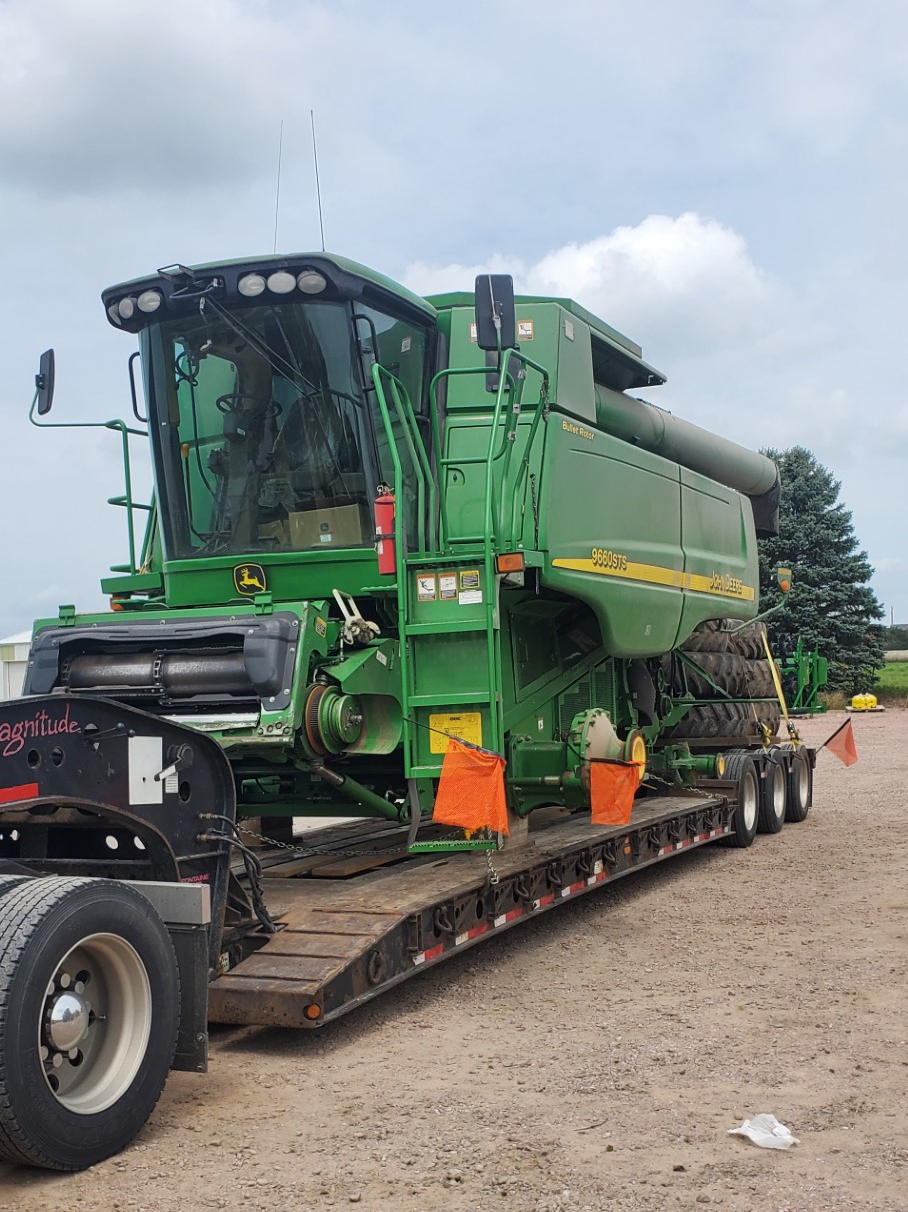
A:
719,635
89,1011
735,662
749,641
720,719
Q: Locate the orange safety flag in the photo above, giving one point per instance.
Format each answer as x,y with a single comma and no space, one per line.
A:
471,789
841,743
613,786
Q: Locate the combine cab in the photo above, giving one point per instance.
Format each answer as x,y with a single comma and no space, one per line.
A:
427,568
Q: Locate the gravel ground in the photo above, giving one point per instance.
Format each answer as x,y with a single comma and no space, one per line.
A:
592,1059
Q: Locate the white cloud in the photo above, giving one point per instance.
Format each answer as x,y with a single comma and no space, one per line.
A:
681,285
159,96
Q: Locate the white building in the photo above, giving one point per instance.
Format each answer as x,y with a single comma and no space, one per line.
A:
13,662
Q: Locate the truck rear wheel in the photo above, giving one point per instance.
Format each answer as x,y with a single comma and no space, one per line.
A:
773,794
800,787
89,1011
740,767
9,882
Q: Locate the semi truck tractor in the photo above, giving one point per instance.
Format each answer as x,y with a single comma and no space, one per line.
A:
432,625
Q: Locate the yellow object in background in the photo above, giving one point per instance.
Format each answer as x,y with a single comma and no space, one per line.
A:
864,702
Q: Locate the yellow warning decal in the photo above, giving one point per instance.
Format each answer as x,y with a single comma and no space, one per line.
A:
606,563
465,726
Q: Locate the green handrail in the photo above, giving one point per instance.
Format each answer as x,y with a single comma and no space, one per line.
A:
425,483
125,500
514,392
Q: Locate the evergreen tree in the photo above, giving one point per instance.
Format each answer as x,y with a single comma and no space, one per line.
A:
831,605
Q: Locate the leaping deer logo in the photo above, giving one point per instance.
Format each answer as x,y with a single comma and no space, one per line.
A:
250,579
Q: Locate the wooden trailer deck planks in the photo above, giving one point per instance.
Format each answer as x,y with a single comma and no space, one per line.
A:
333,929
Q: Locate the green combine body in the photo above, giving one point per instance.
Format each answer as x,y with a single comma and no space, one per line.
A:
380,522
284,396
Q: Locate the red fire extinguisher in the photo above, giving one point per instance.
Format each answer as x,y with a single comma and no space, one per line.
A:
384,529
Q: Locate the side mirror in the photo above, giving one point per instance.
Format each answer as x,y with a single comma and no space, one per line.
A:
44,382
496,323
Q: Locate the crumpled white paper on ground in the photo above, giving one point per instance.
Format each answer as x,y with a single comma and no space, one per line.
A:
765,1131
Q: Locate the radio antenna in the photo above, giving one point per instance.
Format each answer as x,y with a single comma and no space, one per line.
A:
277,199
318,192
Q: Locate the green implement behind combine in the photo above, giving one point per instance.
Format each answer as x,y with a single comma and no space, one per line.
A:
379,522
805,675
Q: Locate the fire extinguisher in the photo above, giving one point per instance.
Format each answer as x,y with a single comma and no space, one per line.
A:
384,530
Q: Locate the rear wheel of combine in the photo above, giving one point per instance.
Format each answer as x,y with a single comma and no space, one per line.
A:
740,767
799,787
89,1011
773,794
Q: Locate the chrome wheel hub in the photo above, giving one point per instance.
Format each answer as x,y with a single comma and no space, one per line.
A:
68,1020
95,1023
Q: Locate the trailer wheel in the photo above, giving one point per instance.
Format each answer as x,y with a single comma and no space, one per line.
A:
740,766
800,787
89,1011
773,794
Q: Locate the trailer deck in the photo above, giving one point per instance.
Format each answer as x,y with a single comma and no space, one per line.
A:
341,940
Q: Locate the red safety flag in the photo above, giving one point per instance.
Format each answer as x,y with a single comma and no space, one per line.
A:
613,786
842,745
471,790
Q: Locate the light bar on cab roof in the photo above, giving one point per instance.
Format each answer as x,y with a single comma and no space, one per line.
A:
180,289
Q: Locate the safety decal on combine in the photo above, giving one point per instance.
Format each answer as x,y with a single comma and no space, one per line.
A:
250,579
465,726
426,587
447,586
604,562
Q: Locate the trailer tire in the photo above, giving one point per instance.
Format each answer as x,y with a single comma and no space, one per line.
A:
773,794
800,787
89,1011
9,882
739,766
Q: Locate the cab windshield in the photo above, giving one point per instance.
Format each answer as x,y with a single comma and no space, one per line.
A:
266,433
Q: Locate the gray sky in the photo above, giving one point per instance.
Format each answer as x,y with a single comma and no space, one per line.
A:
723,180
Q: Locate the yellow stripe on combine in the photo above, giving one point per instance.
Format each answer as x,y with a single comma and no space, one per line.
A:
656,574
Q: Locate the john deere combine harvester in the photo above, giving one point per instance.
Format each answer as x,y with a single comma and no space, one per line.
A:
380,522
